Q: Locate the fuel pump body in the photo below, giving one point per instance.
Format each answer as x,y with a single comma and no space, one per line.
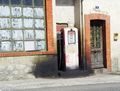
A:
69,54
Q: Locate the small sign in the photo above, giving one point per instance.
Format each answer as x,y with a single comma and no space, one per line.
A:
71,37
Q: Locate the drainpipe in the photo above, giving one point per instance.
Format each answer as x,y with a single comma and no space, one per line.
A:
82,37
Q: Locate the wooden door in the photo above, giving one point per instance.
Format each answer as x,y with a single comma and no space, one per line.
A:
96,39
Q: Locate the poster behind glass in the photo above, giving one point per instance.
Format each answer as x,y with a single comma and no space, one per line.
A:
40,34
39,23
17,34
71,37
16,11
28,35
28,23
5,23
39,12
16,23
28,12
18,46
6,11
5,34
29,45
40,45
5,46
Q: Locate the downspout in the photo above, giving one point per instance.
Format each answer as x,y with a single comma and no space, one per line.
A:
82,37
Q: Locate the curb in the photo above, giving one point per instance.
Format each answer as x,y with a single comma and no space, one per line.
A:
43,83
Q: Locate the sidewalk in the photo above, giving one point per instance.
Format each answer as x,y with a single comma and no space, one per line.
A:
44,82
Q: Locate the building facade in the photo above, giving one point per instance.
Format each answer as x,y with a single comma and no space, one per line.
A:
28,35
99,31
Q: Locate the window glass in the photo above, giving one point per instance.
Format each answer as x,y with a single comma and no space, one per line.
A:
0,1
38,2
6,10
40,34
28,35
5,34
39,23
39,12
17,35
28,12
22,25
27,2
16,11
28,23
4,23
16,2
18,46
40,45
6,2
29,45
16,23
5,46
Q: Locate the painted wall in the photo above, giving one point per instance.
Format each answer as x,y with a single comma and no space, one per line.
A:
110,8
28,67
64,11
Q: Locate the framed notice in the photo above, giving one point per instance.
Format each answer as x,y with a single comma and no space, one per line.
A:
71,37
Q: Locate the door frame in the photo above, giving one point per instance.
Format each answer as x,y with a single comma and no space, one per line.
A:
106,36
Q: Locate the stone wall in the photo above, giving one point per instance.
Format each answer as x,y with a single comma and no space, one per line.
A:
27,67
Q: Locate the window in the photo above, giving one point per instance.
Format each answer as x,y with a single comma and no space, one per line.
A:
38,2
28,2
16,2
22,25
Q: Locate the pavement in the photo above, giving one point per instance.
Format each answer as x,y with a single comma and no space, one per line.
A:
57,82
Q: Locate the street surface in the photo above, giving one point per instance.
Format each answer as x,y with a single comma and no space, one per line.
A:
100,82
96,87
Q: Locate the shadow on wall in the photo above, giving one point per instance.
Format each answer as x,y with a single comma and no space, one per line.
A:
45,67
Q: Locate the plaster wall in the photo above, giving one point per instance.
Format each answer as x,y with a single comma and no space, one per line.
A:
64,11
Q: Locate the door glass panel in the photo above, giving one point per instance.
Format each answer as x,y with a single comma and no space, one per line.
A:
95,37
